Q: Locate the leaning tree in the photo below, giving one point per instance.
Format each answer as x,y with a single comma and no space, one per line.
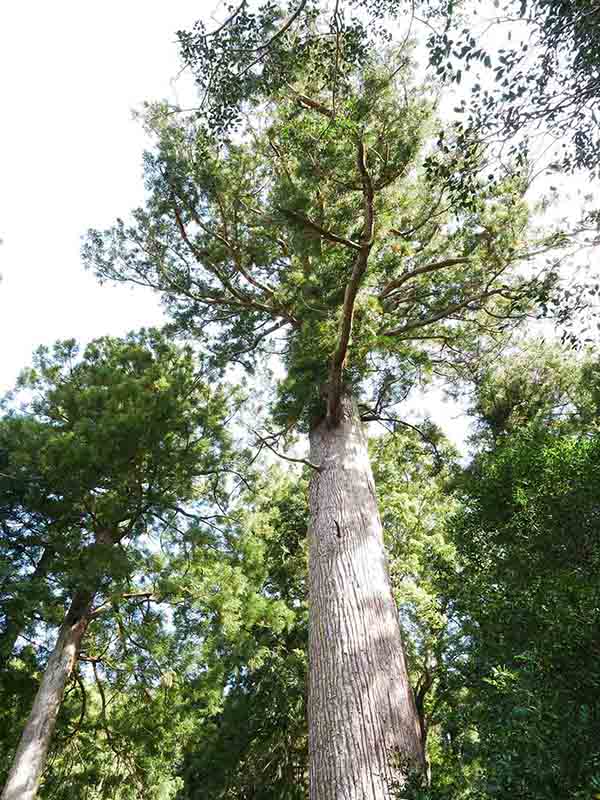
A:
110,444
317,225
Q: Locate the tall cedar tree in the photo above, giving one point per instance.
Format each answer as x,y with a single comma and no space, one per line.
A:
127,432
319,231
255,743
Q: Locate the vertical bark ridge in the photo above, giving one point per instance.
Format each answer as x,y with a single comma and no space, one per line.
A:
362,714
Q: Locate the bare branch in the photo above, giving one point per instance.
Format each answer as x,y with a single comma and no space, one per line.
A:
88,659
229,19
77,728
263,441
372,415
95,612
284,28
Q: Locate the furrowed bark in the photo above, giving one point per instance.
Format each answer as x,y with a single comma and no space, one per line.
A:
26,772
363,725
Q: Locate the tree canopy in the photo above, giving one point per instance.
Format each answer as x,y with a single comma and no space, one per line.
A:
321,235
388,617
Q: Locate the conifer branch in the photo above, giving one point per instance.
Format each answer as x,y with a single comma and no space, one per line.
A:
332,237
238,298
392,286
446,312
359,269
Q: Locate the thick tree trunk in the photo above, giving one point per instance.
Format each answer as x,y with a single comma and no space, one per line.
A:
16,617
363,725
26,772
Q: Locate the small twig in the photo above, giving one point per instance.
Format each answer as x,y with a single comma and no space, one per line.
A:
304,461
77,728
372,416
229,19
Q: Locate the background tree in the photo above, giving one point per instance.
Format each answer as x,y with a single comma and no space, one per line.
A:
25,560
545,74
255,744
531,710
129,431
515,693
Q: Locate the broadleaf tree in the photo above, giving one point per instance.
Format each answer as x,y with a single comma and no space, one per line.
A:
327,231
544,74
521,698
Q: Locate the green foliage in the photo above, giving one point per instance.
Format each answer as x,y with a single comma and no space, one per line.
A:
262,244
540,385
127,440
199,690
305,213
525,600
255,743
258,51
411,480
549,76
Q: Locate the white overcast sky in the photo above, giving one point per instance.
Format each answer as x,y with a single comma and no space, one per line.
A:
70,158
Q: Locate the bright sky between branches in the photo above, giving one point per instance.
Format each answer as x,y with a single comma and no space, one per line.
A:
70,158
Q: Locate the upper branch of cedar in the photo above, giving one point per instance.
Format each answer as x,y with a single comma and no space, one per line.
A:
202,256
394,285
236,297
315,105
446,312
358,271
434,211
235,252
329,235
198,254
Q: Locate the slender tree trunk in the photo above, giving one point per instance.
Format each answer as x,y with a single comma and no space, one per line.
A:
363,725
26,772
16,617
